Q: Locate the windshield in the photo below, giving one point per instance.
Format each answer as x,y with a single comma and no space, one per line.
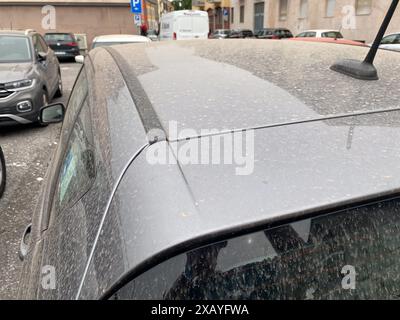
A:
54,37
14,49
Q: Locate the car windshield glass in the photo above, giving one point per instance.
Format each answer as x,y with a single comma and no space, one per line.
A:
332,34
352,254
14,49
58,37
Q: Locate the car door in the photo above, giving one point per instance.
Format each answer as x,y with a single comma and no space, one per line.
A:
66,243
53,67
38,231
44,66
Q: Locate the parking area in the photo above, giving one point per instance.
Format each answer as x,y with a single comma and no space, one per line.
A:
27,150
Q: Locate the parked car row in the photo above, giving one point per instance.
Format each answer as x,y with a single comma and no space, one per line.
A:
390,42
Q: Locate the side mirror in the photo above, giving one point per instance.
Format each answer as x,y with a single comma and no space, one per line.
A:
79,59
42,56
52,113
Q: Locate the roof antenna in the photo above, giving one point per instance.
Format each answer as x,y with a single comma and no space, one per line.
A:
365,70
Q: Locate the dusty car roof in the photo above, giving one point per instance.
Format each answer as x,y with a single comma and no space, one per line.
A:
304,161
215,85
321,30
13,32
299,170
121,38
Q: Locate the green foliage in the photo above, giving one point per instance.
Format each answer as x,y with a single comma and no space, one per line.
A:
185,5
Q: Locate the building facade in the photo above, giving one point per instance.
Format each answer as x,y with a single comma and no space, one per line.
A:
357,19
219,12
89,18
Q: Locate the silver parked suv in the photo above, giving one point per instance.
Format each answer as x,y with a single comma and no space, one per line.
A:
29,76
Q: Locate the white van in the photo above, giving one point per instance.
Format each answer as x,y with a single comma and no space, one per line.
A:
184,25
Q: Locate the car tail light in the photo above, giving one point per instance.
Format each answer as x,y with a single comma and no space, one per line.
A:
174,36
275,37
71,44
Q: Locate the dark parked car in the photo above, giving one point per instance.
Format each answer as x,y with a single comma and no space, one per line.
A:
65,45
29,76
277,33
241,34
319,209
220,34
2,172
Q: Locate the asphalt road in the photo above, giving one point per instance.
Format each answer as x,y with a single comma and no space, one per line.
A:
27,150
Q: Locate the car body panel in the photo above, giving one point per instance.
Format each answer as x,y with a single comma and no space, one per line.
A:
293,175
118,39
302,163
331,40
119,136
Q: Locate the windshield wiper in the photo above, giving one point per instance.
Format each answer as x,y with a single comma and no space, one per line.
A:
365,70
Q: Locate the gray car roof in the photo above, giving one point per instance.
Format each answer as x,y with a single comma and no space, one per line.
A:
300,167
224,85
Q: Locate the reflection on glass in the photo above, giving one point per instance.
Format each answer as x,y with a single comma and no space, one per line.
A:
309,259
53,114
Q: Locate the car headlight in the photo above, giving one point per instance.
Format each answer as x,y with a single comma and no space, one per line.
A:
15,85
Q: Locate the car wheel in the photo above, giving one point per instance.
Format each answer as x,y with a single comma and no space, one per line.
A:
2,173
59,91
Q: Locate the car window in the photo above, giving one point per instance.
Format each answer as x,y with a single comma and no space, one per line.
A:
14,49
389,39
311,34
77,170
54,37
351,254
301,35
37,45
332,34
43,43
76,101
78,95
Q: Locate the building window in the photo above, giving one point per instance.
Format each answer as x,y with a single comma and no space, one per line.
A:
241,14
283,9
303,9
330,8
232,14
363,7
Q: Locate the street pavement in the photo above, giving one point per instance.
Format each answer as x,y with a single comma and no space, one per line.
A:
27,150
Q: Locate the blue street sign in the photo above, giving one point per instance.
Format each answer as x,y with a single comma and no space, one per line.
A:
136,6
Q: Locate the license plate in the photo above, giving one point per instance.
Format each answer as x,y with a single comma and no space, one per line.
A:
59,52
